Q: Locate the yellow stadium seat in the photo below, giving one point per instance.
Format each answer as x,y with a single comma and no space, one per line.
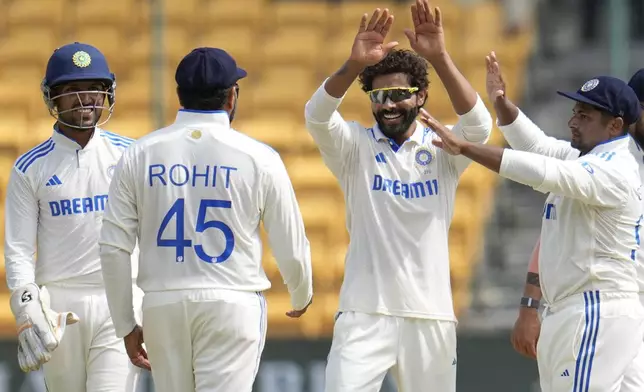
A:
241,48
42,129
180,12
319,211
293,45
14,93
130,126
30,75
14,130
279,325
138,50
284,87
309,172
298,13
177,42
348,13
28,44
224,13
7,161
7,320
108,39
275,132
335,55
34,13
135,91
95,13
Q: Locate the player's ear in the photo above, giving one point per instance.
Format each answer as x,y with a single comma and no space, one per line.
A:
422,98
232,97
618,126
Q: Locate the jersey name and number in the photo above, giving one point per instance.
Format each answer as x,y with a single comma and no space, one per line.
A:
209,176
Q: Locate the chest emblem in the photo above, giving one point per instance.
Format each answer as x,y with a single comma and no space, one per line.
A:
423,158
110,170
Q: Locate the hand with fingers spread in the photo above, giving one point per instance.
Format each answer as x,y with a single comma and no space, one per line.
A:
494,82
369,46
448,141
427,38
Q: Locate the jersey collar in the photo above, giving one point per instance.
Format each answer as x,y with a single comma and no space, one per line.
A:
186,116
67,143
419,136
612,144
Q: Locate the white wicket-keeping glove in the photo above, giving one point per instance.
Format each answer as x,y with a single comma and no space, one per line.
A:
40,329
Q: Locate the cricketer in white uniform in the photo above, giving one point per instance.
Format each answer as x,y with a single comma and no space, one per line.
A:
194,194
56,197
593,323
634,377
395,310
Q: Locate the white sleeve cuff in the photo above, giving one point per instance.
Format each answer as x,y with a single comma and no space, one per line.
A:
321,106
522,167
477,116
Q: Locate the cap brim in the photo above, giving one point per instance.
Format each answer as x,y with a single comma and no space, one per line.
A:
580,98
241,73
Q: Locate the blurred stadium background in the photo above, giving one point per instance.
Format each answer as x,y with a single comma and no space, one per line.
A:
289,47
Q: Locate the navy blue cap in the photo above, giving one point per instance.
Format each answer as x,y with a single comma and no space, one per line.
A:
610,94
76,61
637,84
208,69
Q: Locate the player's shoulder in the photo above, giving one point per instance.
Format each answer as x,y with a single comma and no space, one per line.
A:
114,140
35,157
617,162
261,153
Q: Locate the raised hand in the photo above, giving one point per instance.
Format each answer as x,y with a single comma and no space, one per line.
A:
494,82
427,38
369,47
448,142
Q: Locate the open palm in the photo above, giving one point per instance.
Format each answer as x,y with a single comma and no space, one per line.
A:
369,47
427,38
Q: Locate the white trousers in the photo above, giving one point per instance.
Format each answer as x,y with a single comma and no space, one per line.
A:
204,340
634,377
588,341
420,353
90,358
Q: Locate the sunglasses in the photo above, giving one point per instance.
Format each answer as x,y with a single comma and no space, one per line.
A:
395,94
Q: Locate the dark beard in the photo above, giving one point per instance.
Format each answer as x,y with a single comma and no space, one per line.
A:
409,116
231,116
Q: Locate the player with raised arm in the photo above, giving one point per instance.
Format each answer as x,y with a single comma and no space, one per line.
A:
593,323
55,200
399,192
194,194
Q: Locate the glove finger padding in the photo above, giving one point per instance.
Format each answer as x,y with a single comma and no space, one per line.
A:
48,325
29,360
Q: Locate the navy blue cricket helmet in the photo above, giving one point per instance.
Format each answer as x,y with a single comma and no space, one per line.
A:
78,62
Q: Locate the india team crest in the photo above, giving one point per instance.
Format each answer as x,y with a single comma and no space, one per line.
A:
110,170
423,156
81,59
589,85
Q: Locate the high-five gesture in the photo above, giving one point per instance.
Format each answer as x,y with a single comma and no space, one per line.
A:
369,47
427,37
494,83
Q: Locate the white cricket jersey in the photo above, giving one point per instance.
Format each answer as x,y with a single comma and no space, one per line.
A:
637,152
195,193
399,203
56,196
591,218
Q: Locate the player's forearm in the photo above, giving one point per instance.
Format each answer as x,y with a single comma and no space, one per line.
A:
460,91
506,111
338,84
295,268
533,288
116,266
488,156
19,271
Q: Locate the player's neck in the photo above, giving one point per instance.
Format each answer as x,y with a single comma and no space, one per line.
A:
403,137
80,136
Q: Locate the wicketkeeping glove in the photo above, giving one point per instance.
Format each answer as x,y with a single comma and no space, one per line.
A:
40,329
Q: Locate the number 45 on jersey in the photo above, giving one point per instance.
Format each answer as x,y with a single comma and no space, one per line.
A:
180,243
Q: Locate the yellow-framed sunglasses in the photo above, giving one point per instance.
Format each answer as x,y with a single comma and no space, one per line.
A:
395,94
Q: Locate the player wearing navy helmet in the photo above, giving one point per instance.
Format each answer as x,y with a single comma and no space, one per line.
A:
55,200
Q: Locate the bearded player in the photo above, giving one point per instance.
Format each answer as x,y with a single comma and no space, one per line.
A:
396,308
55,199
